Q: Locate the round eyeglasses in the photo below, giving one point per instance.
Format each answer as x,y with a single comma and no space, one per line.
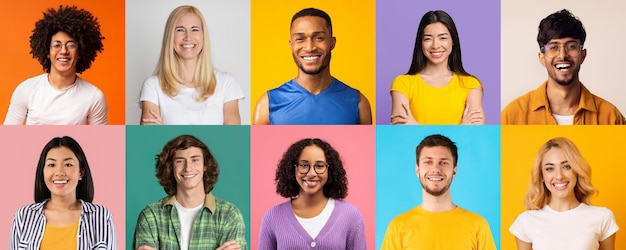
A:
70,46
552,50
318,167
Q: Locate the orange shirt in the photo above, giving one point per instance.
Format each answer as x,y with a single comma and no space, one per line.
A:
533,108
60,237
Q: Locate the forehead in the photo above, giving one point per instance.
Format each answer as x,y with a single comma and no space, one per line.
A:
436,29
190,151
309,24
436,152
60,152
312,152
554,155
562,40
188,19
61,36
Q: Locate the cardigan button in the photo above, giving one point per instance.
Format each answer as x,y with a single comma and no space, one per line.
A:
313,244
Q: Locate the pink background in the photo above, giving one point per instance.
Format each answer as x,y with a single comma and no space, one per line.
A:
356,147
104,147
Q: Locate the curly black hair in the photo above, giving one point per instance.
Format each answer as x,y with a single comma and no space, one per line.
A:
79,24
336,186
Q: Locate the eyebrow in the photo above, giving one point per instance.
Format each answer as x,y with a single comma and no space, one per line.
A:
314,33
568,41
181,157
195,26
552,164
54,159
432,158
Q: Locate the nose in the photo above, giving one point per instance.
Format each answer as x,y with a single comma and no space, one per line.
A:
311,171
309,45
60,171
559,173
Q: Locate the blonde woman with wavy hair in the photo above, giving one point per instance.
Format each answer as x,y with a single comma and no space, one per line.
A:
560,214
185,87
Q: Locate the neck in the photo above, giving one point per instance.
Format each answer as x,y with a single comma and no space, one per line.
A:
436,70
309,201
563,99
440,203
63,203
61,81
563,204
190,198
188,72
314,83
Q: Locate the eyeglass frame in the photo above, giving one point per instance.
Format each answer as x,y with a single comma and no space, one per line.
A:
545,47
61,45
326,166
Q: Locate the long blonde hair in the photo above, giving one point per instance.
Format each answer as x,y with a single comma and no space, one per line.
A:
538,194
168,69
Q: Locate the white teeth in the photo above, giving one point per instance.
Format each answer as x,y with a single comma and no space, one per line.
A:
437,53
435,178
189,176
59,182
63,59
309,58
190,46
562,66
560,185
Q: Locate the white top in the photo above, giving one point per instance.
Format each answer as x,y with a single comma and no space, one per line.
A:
581,228
564,119
314,225
41,104
184,109
186,216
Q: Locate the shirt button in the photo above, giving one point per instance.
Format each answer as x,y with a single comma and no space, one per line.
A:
313,244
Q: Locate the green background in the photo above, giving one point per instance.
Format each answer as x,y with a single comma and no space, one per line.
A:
230,145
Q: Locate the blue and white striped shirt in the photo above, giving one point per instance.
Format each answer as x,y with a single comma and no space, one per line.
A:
95,228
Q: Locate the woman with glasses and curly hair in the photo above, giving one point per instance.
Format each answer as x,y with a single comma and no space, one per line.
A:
560,214
312,176
65,42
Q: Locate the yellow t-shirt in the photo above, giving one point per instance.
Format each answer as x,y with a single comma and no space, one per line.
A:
454,229
60,237
436,105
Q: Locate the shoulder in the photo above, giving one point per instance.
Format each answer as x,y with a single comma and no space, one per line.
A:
341,85
471,216
469,81
347,208
226,206
151,81
87,86
33,82
30,208
404,78
223,76
95,208
280,209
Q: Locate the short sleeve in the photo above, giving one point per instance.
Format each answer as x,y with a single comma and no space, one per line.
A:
519,230
231,89
609,225
146,232
98,113
18,108
401,84
149,91
470,82
391,240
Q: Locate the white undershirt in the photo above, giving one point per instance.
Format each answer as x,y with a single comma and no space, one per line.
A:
314,225
564,119
186,216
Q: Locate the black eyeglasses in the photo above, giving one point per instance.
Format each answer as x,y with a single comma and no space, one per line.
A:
572,48
318,167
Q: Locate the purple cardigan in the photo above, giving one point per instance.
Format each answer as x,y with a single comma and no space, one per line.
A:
280,229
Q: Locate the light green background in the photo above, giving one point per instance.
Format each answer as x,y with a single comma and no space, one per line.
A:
230,145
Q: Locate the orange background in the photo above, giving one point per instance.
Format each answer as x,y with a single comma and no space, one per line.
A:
106,72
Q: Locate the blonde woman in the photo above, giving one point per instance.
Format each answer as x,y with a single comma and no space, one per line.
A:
185,87
560,214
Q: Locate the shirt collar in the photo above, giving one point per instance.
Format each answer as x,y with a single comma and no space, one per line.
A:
86,207
209,202
540,99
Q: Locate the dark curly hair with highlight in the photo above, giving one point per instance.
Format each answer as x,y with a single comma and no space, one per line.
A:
336,186
165,163
79,24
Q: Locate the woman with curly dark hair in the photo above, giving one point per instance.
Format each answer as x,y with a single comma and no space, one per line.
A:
312,176
65,42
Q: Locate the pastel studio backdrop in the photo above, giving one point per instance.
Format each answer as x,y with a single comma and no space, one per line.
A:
478,24
230,145
228,23
106,72
353,59
104,148
476,186
356,148
600,72
601,146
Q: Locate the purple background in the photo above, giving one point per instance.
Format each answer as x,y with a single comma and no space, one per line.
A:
478,24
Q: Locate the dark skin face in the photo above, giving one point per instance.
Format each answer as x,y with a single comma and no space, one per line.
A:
311,44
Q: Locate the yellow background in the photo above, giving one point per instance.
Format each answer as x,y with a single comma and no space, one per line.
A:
353,59
601,146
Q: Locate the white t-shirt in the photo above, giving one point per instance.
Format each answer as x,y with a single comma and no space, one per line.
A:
186,216
314,225
564,119
41,104
581,228
184,109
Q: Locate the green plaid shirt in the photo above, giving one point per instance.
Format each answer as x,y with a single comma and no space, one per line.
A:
219,221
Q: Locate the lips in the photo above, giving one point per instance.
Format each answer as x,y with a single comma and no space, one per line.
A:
560,186
435,178
60,181
311,183
437,54
189,46
562,66
188,176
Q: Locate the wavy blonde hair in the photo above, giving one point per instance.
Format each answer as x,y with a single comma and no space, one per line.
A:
538,194
168,69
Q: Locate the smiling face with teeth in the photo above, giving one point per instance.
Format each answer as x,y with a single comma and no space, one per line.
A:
563,68
61,172
311,183
435,169
558,176
189,169
311,44
63,61
437,43
188,37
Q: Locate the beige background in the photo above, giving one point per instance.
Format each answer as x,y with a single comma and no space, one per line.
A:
602,71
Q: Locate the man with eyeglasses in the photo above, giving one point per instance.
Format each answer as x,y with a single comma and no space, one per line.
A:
562,99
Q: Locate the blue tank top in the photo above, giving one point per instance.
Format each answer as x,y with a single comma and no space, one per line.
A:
292,104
